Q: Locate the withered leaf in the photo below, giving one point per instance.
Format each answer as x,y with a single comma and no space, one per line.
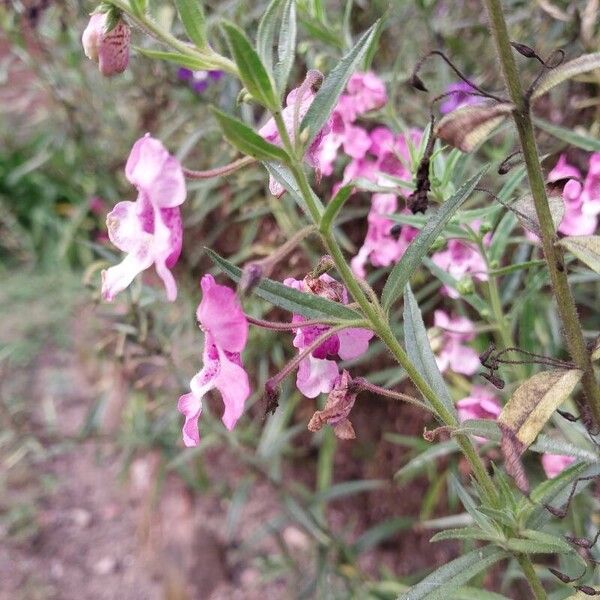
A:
512,450
525,210
465,127
568,70
534,401
586,248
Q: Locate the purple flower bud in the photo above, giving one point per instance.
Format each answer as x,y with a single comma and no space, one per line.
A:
108,47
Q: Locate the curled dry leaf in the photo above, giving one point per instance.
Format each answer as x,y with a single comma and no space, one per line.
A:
512,450
524,208
568,70
466,127
534,401
586,248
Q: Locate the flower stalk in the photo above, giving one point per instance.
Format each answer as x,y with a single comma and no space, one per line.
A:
554,254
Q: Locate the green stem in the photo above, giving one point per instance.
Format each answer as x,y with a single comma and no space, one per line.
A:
534,581
554,255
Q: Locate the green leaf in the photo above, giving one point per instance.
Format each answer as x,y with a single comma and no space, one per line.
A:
416,465
139,7
284,176
334,85
286,49
534,401
476,593
533,547
452,575
246,140
266,33
585,142
420,353
547,538
586,248
194,23
380,532
253,73
578,66
348,488
334,206
464,533
288,298
408,264
483,522
195,64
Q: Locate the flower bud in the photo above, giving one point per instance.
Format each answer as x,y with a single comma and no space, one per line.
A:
106,45
465,286
485,227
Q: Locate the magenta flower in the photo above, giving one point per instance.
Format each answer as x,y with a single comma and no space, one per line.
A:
380,247
554,464
453,354
109,48
225,334
149,230
481,404
461,95
460,259
318,372
582,202
367,92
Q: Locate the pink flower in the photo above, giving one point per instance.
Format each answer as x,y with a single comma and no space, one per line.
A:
225,333
554,464
460,258
318,372
461,95
481,404
109,48
367,91
582,202
454,354
298,102
149,230
380,247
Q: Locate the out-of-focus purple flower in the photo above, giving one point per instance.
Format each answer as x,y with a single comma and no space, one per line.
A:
109,48
554,464
225,334
582,202
481,404
453,354
198,80
461,94
459,259
149,230
380,247
318,372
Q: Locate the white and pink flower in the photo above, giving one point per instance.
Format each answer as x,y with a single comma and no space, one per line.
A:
225,334
453,353
149,230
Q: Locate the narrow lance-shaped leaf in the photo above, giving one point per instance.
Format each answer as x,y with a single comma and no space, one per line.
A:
585,142
586,248
246,140
525,212
534,401
439,584
253,73
286,49
568,70
265,36
420,353
468,126
334,85
192,17
411,260
308,305
190,62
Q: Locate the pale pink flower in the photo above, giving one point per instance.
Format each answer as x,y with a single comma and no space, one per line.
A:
318,372
367,91
554,464
480,404
461,258
453,353
225,334
109,48
380,247
356,141
582,202
298,102
149,230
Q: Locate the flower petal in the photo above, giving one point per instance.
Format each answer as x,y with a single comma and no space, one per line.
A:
232,382
316,376
353,342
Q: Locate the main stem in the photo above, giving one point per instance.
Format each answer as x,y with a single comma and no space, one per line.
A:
554,255
534,581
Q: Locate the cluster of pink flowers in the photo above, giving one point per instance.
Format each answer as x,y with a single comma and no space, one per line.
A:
452,353
581,197
318,372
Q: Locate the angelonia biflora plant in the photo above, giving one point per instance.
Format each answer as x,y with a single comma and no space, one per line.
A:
336,310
